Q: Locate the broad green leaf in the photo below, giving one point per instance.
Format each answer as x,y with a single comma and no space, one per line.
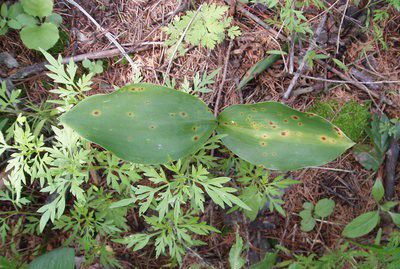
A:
280,138
143,123
307,224
44,36
362,225
38,8
378,191
324,207
61,258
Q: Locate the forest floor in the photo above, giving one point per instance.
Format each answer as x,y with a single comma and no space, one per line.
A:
137,25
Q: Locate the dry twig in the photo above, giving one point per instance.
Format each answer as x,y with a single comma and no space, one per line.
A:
303,64
135,68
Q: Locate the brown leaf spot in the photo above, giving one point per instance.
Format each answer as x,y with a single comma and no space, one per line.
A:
183,114
295,117
96,112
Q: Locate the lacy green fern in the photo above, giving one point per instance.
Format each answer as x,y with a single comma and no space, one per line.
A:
206,27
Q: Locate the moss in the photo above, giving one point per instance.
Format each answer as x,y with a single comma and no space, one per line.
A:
352,118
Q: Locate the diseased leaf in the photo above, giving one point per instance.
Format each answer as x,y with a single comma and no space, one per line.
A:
362,225
143,123
279,137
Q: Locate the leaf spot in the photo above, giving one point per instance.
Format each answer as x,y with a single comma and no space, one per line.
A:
183,114
96,112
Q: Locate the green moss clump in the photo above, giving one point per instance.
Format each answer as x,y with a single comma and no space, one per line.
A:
352,118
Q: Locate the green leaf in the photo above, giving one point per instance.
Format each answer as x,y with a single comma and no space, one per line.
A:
143,123
367,157
279,137
26,20
395,218
236,260
260,67
4,10
55,19
340,64
378,191
44,36
267,263
389,205
15,10
122,203
38,8
61,258
362,225
307,224
324,207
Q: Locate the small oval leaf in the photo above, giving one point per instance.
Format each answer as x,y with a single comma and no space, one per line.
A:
362,225
143,123
279,137
44,36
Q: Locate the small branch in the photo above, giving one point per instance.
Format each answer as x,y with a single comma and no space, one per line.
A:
40,67
392,156
221,86
110,37
340,26
303,64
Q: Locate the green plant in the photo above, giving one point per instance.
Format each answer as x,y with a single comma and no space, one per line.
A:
36,21
169,234
236,259
207,27
310,214
260,190
164,125
366,222
381,131
199,83
95,67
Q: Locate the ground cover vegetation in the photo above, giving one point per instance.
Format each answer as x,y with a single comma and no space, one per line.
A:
199,134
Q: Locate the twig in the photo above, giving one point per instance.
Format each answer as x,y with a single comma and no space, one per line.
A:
37,68
352,81
303,63
330,169
180,41
392,156
340,27
197,255
221,86
110,37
